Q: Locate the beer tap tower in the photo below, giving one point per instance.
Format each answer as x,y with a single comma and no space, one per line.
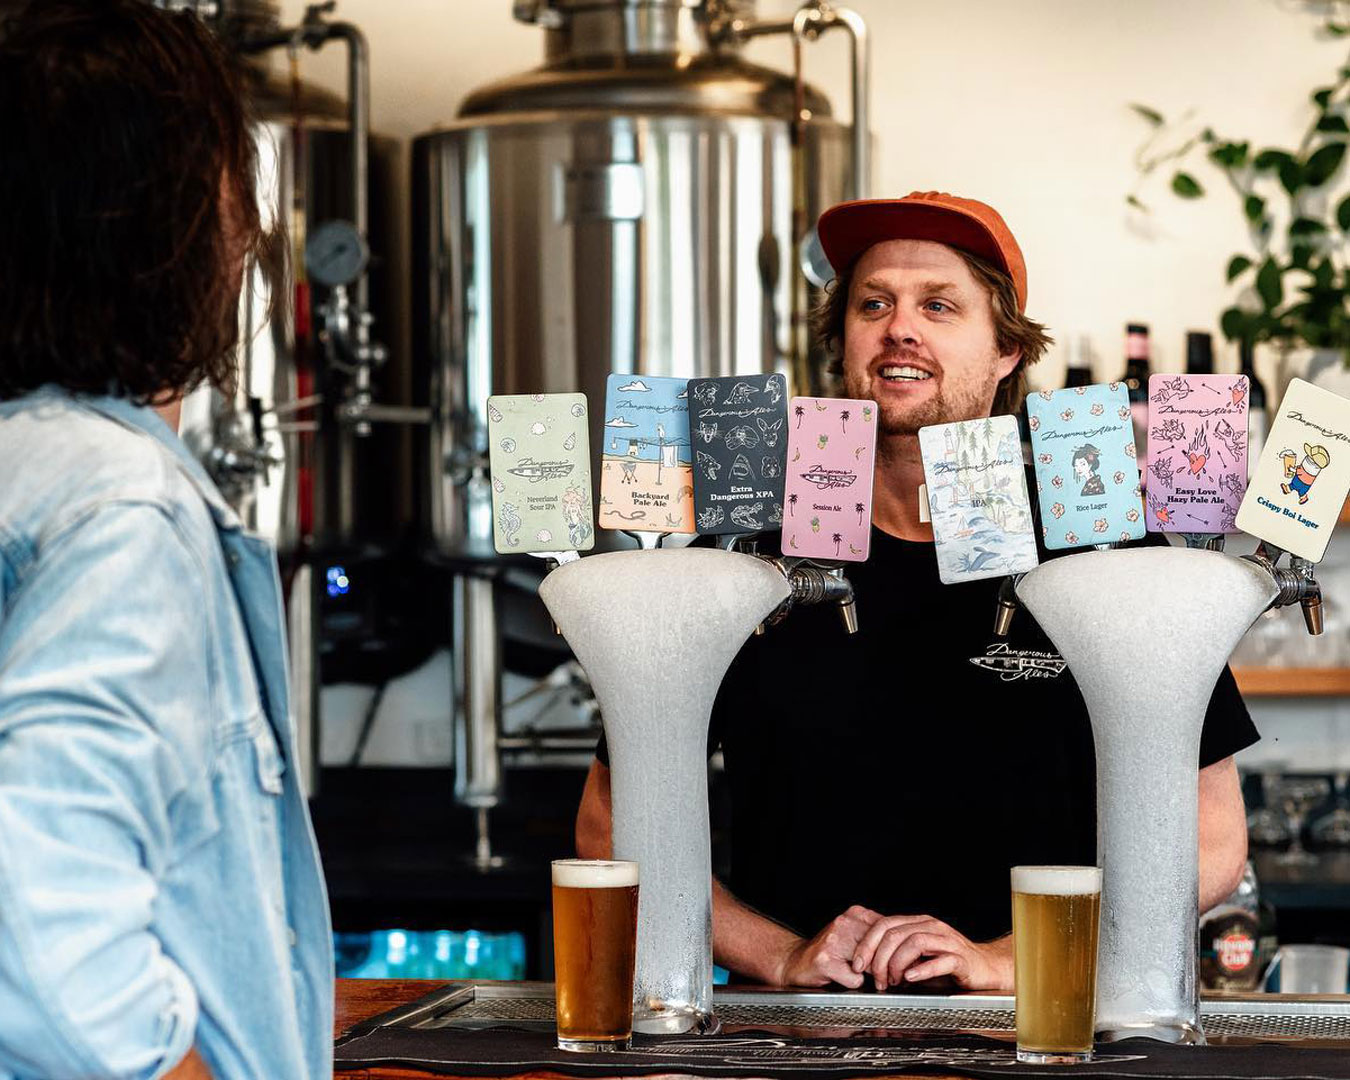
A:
1146,662
656,629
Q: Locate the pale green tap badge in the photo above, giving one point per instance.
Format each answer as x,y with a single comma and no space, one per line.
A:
1300,483
539,451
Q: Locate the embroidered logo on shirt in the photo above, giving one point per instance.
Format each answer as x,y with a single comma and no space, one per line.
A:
1012,664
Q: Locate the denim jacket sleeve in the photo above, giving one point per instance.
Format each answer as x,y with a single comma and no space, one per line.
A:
104,700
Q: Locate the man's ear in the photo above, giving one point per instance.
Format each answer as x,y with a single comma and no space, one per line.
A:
1007,363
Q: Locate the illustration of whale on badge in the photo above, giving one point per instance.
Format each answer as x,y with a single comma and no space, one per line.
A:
1197,453
977,499
739,428
1087,476
647,459
831,452
539,452
1300,483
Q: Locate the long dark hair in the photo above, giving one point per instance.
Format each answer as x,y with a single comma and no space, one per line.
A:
126,186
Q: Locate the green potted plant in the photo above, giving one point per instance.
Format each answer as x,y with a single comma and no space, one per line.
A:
1294,278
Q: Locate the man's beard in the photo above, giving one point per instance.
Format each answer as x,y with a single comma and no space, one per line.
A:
906,419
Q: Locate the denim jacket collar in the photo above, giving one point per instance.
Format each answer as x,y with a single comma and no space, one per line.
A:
144,419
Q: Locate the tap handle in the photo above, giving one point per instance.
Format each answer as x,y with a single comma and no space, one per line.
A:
1312,612
1006,607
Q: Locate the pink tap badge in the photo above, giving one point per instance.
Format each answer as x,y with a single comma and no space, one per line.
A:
827,501
1197,452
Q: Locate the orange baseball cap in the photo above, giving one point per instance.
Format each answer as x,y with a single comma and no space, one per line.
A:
849,229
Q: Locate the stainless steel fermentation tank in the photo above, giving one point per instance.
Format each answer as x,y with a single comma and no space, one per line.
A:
637,204
292,449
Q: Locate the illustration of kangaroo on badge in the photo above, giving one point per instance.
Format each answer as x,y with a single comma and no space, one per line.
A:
1302,476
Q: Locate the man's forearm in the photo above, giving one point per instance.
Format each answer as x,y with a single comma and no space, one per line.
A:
746,942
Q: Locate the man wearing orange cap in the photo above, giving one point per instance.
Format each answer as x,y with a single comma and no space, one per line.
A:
883,783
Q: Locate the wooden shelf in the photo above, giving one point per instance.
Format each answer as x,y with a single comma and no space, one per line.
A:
1293,682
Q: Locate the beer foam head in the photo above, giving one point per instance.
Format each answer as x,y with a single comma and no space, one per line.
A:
594,873
1057,880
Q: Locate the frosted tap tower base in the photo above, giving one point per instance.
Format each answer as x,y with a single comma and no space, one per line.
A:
1146,633
655,632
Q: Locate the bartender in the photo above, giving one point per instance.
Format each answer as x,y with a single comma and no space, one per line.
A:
883,783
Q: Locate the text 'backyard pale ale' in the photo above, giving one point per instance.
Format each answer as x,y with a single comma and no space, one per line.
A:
595,907
1055,915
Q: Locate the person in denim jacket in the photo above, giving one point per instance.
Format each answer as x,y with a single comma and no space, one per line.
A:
162,907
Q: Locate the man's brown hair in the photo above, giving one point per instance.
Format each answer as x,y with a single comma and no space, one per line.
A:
1011,328
126,179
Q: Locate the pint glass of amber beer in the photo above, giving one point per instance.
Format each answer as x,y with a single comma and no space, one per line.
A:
1055,913
594,945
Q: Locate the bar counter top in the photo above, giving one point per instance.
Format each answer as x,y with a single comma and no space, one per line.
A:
1316,1022
360,999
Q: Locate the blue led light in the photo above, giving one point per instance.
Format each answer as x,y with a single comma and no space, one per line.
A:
338,582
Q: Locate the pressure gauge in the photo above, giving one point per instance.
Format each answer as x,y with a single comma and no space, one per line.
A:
335,254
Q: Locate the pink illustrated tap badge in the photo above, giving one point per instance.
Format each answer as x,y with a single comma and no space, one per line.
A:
1197,452
831,453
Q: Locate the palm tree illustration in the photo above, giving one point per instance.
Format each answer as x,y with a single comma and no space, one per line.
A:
838,539
800,413
844,414
858,508
792,502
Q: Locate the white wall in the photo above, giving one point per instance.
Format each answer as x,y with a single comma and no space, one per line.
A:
1022,103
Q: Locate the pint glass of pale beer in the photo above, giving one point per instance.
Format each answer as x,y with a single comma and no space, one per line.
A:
1055,913
595,905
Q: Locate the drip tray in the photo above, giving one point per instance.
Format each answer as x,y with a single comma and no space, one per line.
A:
1231,1018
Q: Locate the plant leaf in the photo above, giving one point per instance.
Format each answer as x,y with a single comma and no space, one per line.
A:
1323,164
1236,265
1306,227
1153,116
1233,323
1322,96
1324,274
1185,185
1229,155
1272,159
1291,175
1269,286
1255,207
1133,200
1336,124
1343,214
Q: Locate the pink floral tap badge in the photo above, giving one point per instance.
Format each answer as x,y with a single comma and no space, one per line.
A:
831,450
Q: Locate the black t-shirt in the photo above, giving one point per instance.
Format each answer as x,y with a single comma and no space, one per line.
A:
909,766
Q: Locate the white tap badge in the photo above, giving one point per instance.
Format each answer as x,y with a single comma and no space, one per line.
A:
1299,486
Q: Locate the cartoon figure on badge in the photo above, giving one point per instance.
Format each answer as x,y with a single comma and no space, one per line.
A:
1087,461
1301,477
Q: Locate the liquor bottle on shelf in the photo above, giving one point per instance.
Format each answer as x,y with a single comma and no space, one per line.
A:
1199,353
1136,379
1258,419
1078,371
1229,938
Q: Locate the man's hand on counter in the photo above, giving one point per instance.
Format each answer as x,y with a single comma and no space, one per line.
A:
899,950
828,957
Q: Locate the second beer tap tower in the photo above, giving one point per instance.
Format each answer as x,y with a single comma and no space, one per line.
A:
1147,632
